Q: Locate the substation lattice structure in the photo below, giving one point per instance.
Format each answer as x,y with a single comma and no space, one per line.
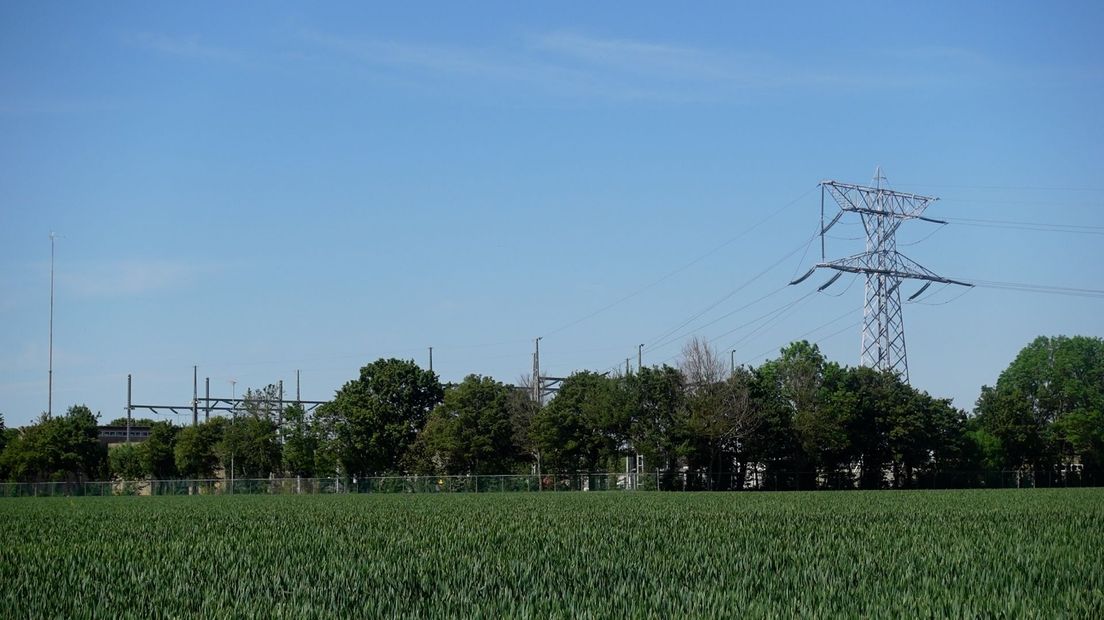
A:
882,211
208,404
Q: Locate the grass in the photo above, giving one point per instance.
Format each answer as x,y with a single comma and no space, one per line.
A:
1021,553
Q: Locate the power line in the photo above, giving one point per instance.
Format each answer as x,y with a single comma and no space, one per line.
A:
774,320
1008,187
1030,226
942,303
1019,223
663,340
773,313
1040,288
678,270
815,330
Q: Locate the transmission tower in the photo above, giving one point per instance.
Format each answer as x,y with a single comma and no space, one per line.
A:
882,212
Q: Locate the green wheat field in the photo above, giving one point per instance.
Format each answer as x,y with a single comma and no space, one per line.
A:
1013,553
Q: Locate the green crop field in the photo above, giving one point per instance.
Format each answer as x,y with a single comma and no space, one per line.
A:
1017,553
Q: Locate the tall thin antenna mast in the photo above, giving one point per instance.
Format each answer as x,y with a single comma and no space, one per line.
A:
882,212
50,379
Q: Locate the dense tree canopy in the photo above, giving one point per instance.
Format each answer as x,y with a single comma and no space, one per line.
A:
56,448
1047,408
374,419
795,421
471,431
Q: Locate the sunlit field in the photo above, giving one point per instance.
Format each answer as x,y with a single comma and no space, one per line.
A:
1017,553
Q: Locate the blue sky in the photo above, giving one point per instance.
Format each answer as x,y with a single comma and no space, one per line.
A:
260,188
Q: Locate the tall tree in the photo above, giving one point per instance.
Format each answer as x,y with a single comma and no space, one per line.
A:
300,442
158,450
471,431
249,444
126,463
195,448
1045,406
721,412
792,391
659,419
57,448
375,418
583,427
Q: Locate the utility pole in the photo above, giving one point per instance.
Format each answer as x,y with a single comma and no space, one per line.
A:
627,366
50,373
233,419
130,408
431,359
536,372
640,358
882,212
195,395
280,413
207,399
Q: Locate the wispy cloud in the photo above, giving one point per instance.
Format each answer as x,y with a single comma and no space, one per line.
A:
129,277
192,47
657,60
574,64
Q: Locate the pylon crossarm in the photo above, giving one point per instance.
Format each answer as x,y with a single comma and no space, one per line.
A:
895,273
873,201
866,188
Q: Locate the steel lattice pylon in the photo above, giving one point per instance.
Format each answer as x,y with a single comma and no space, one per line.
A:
882,212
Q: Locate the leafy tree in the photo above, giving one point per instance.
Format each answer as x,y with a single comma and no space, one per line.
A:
133,422
57,448
471,431
583,427
1045,407
821,422
158,453
263,403
791,391
720,409
374,419
658,417
249,446
195,448
126,462
300,442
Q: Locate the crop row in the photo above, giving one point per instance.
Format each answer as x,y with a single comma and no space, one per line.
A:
956,553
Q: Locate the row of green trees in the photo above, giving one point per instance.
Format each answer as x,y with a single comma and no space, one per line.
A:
799,420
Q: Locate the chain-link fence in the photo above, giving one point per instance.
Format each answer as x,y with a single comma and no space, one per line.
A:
762,480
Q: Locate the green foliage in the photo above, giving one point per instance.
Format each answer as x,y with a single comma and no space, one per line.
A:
948,554
249,445
127,462
56,448
583,426
300,448
374,419
195,453
657,416
471,431
133,422
1047,405
157,451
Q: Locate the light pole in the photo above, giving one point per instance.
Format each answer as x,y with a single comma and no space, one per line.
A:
233,418
50,373
640,358
732,360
